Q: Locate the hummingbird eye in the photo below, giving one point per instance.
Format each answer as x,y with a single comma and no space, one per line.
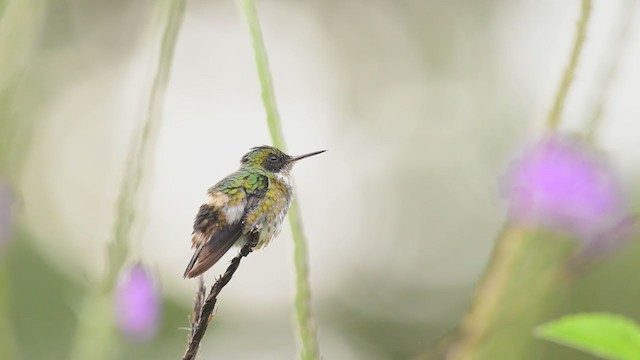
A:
273,158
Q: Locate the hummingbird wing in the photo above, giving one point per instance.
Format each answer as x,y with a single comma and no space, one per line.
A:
219,222
208,253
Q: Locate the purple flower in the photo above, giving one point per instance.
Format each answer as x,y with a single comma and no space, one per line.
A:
137,304
561,184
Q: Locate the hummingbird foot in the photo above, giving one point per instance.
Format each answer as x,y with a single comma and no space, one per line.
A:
251,243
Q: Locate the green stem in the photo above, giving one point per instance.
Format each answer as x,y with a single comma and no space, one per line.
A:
20,32
496,300
264,74
524,279
612,68
141,152
304,314
478,320
93,334
306,323
567,79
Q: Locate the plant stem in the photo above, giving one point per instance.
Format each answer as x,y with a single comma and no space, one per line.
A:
498,298
475,324
204,309
615,54
141,152
304,314
567,79
95,317
524,279
264,74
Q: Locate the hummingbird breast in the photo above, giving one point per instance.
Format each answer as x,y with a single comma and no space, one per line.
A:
267,216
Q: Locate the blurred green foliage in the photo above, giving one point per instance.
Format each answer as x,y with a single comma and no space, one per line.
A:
44,308
600,334
422,80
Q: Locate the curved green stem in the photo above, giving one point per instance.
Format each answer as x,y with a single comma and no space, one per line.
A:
304,314
140,157
521,264
567,79
609,76
521,282
94,333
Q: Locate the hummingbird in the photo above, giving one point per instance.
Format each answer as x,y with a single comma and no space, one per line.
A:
248,205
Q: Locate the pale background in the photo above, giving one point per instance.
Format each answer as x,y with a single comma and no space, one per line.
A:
422,105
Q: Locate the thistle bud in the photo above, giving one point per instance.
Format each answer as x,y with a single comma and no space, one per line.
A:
137,304
561,184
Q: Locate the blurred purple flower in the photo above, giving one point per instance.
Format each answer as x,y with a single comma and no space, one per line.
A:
137,304
561,184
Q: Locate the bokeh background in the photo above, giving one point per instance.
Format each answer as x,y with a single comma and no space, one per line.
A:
422,104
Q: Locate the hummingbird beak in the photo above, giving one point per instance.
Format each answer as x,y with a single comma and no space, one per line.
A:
300,157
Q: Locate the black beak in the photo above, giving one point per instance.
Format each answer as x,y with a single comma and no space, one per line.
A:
296,158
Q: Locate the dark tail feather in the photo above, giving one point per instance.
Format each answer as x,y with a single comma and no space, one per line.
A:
210,252
193,260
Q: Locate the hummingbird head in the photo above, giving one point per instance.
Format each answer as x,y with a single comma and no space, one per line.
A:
272,159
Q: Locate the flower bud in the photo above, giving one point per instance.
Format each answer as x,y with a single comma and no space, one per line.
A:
137,304
561,184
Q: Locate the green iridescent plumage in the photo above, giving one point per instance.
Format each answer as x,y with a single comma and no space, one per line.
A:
243,181
247,206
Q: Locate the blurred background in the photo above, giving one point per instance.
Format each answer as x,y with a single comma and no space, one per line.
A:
422,104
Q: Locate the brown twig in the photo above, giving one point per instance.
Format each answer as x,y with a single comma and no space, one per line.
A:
198,303
201,319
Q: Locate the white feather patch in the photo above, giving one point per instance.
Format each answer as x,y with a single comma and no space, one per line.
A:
284,178
234,213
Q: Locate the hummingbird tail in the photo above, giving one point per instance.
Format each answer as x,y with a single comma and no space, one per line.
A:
193,260
211,251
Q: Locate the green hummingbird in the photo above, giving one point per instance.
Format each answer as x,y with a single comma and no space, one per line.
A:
249,205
